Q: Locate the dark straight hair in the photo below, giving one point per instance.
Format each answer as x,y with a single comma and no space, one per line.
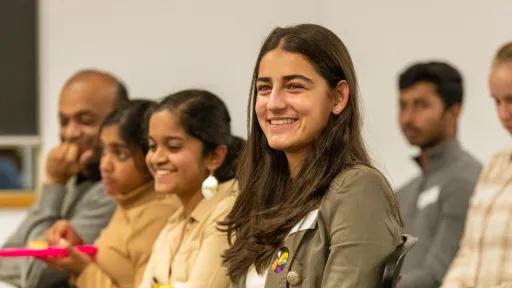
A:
270,201
445,77
130,118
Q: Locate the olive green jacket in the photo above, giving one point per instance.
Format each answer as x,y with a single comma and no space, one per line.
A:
343,243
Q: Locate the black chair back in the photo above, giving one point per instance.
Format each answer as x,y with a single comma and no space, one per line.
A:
394,262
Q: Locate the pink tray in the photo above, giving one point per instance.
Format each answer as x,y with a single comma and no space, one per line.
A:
52,251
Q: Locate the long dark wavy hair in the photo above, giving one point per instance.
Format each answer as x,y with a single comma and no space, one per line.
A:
270,201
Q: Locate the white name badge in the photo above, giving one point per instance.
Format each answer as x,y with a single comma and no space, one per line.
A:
428,197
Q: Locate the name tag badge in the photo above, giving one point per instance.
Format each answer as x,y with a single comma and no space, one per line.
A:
428,197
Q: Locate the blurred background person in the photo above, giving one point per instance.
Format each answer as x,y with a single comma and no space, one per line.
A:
434,203
71,193
485,255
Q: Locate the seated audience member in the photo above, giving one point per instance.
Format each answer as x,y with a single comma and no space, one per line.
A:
124,246
312,211
484,259
434,203
71,192
191,150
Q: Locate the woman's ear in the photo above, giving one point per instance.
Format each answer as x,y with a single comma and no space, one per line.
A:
216,157
341,97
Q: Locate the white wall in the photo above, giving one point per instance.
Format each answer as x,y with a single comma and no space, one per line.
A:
9,220
392,34
161,46
158,47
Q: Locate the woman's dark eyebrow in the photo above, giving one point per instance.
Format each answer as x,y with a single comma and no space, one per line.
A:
167,137
264,79
286,78
294,76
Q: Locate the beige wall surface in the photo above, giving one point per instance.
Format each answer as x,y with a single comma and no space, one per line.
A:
161,46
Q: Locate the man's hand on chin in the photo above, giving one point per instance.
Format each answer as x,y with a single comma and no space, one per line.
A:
63,162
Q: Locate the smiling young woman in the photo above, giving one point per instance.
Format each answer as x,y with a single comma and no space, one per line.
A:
312,211
190,145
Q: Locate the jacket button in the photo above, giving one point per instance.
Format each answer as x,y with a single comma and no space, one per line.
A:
293,278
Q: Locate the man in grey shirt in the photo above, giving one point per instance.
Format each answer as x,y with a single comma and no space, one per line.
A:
71,190
434,204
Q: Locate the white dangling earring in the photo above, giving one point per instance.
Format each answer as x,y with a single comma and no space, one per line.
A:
209,187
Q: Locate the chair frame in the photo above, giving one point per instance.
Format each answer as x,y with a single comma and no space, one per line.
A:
393,266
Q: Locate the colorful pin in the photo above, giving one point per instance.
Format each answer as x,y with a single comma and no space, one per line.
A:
281,260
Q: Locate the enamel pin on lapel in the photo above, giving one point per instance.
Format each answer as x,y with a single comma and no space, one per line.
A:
281,260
